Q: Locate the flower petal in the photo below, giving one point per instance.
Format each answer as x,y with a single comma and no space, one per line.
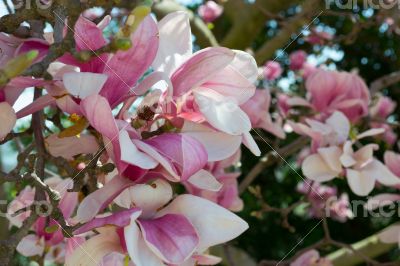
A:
205,180
175,42
218,226
315,168
7,119
199,68
92,252
361,184
140,253
148,197
218,145
70,146
125,68
130,154
31,245
119,219
250,143
84,84
172,237
381,173
221,112
246,65
98,200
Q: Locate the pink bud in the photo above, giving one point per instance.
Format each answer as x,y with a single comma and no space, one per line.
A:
297,59
272,70
210,11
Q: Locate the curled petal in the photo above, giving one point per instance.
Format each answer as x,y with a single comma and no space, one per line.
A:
360,183
218,226
205,180
315,168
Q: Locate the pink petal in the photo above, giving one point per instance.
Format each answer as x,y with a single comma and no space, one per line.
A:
185,152
371,132
37,105
246,65
31,44
392,161
119,219
7,119
175,42
126,67
98,200
218,226
200,68
230,83
207,259
251,144
98,111
172,237
138,250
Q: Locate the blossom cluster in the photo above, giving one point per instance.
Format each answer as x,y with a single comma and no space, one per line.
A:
172,120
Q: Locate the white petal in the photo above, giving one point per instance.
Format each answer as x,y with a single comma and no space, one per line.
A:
83,84
148,197
221,112
130,154
140,253
361,184
205,180
91,252
218,145
246,65
7,119
214,224
175,42
31,245
371,132
315,168
381,173
250,143
331,156
339,122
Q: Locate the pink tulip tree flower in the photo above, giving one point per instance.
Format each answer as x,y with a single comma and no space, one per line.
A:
210,11
42,242
156,232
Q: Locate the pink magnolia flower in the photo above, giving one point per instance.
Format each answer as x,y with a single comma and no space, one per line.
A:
381,110
257,109
332,91
319,37
71,146
362,170
53,244
209,86
311,257
228,195
210,11
156,235
324,201
272,70
297,59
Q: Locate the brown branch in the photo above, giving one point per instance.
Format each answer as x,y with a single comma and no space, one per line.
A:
310,9
270,159
384,82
